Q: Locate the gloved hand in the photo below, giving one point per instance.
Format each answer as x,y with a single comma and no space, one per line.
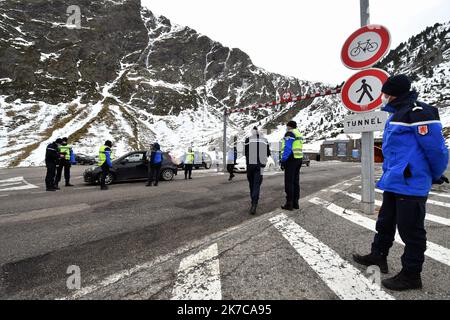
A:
441,180
282,166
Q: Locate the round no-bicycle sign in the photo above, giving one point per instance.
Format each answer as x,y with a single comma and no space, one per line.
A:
362,92
365,47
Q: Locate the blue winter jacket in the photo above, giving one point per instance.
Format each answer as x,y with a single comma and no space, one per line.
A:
414,148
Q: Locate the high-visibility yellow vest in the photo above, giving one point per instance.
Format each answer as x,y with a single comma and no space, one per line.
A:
189,158
65,150
297,146
102,155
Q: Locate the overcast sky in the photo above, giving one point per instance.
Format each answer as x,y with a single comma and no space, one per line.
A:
300,38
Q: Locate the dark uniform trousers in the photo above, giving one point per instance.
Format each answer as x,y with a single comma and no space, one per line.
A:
188,170
255,179
406,213
292,179
230,169
105,172
51,173
154,171
64,164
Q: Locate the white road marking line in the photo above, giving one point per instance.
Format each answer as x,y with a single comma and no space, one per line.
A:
3,195
42,213
198,277
340,276
15,181
428,216
440,194
116,277
10,184
434,251
433,202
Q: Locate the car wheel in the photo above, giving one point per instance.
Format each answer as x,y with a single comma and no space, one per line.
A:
307,164
207,166
109,179
167,175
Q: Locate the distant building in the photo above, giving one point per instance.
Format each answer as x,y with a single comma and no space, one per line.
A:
347,148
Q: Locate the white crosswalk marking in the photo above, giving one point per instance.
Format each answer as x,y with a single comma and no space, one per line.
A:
15,184
199,277
434,251
428,216
345,280
433,202
440,194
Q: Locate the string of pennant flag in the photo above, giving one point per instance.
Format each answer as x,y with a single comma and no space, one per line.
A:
287,98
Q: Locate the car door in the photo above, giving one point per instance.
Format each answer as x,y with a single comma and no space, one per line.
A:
129,167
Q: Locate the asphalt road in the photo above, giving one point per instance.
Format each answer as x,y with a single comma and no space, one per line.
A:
195,239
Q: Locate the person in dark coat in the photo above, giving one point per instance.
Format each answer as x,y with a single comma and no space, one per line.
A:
52,157
257,151
154,164
415,157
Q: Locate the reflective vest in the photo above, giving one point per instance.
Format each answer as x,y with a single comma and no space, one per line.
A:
189,158
102,156
297,146
65,150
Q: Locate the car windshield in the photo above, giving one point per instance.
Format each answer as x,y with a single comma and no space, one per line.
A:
135,157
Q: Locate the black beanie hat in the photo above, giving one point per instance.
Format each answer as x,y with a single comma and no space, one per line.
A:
292,124
397,85
108,143
59,141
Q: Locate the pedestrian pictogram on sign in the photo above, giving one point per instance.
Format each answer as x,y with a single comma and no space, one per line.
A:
365,47
362,92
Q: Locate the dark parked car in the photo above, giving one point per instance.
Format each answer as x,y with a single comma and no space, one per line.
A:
306,161
83,159
132,166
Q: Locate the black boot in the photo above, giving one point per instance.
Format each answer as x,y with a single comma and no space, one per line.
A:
149,184
403,281
156,184
373,260
296,205
104,188
56,187
288,206
253,209
68,184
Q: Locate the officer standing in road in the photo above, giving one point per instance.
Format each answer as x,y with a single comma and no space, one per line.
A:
154,164
66,160
51,159
291,163
105,162
415,157
188,163
231,162
257,151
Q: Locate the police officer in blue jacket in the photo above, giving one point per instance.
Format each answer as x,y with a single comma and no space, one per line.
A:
415,157
154,164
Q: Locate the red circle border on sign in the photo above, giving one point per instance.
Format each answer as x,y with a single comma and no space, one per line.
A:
378,73
386,43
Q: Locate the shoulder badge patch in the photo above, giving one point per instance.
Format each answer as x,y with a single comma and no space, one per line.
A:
423,130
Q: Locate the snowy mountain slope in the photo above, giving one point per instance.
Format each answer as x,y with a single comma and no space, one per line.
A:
126,75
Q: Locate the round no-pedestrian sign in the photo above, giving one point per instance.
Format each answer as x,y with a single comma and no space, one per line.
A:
362,92
365,47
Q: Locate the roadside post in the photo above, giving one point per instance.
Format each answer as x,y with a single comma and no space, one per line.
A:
361,94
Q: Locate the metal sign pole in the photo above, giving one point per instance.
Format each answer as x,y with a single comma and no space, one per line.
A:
367,145
225,140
